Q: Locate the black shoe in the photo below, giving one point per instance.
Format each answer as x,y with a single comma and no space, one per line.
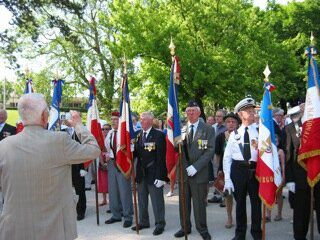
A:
80,217
127,224
87,189
222,204
206,236
108,211
215,199
181,233
140,227
158,231
112,220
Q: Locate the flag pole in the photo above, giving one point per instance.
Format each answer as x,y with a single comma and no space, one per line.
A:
311,214
264,222
96,190
133,176
182,193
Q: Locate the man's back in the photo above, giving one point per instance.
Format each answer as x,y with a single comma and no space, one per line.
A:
35,178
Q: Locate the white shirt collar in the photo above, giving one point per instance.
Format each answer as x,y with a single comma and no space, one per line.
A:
195,125
147,132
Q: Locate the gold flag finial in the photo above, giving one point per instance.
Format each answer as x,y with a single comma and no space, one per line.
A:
172,47
266,73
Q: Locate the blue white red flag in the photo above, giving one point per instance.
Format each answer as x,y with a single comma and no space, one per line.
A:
173,120
93,120
28,88
268,164
309,151
125,130
54,123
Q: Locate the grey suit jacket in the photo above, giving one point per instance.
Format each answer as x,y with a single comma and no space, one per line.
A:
35,177
199,156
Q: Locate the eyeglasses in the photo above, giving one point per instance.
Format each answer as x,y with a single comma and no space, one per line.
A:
105,129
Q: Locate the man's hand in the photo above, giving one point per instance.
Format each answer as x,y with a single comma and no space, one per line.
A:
75,119
291,186
191,171
158,183
228,186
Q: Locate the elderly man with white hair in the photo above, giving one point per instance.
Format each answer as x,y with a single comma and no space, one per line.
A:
35,174
6,129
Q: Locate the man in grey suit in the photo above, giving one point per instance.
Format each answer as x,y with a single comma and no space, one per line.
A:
198,149
35,175
120,194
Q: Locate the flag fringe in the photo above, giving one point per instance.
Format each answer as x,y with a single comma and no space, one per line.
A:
306,155
265,202
128,173
313,182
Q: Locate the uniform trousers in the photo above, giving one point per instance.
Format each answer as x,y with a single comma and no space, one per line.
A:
198,193
157,201
301,211
244,182
120,193
79,186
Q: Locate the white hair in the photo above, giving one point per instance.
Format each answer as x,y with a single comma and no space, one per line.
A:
197,108
31,107
148,115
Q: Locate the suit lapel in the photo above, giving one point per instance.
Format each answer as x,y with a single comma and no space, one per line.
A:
198,133
150,135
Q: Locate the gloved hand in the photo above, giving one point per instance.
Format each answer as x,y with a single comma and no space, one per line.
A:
191,171
291,186
228,186
158,183
83,173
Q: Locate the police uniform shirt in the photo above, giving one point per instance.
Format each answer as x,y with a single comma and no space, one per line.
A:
232,150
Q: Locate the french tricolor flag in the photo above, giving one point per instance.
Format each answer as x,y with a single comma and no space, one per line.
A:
309,152
125,130
93,121
28,89
268,166
173,120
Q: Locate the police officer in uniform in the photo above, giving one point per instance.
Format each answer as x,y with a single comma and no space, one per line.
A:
197,151
296,177
151,173
239,164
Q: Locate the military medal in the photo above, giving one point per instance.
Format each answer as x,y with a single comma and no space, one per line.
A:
254,143
205,144
150,146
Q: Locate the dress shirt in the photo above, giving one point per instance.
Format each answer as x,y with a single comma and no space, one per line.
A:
109,140
232,150
1,126
147,132
195,126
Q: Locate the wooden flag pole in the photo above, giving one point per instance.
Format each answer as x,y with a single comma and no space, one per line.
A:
133,179
264,223
182,195
311,214
96,190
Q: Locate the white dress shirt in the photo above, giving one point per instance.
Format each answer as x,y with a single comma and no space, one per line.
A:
195,126
232,150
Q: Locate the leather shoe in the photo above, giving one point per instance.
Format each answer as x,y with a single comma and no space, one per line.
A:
158,231
80,217
181,233
140,227
112,220
108,211
215,199
206,236
127,223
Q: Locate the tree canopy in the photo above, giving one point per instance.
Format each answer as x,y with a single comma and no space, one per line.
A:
223,47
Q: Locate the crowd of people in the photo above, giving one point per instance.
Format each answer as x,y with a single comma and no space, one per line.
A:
39,165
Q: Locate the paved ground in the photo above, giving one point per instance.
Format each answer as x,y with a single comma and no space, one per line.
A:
216,217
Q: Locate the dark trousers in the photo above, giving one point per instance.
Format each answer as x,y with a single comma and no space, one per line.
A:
157,201
79,185
198,193
301,211
244,182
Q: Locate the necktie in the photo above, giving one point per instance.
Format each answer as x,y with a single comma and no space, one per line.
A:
114,144
246,149
144,138
191,134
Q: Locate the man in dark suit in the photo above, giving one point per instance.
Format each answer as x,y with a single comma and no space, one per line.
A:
198,149
78,172
151,173
296,177
5,129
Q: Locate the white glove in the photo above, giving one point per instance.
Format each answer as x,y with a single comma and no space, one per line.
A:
83,173
291,186
158,183
228,186
191,171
